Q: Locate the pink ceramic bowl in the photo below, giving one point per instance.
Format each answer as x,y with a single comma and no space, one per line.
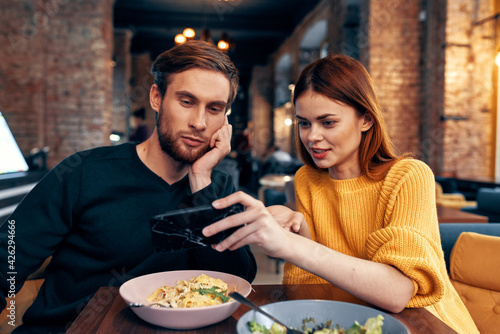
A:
138,289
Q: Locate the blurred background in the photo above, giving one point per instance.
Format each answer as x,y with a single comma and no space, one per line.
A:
72,73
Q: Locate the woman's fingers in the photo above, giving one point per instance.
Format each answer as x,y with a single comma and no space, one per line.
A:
296,221
237,197
243,236
288,219
255,224
247,216
227,223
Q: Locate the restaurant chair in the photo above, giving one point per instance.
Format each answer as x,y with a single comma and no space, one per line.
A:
475,272
23,300
450,232
452,200
488,204
274,197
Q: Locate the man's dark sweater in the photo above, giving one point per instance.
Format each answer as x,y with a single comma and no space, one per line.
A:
91,214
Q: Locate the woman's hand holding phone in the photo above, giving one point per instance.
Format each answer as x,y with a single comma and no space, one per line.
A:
258,226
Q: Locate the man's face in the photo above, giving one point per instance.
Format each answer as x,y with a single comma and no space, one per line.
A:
194,107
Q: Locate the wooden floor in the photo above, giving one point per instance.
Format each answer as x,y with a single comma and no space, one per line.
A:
266,268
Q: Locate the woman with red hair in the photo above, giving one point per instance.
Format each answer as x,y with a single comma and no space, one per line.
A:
368,221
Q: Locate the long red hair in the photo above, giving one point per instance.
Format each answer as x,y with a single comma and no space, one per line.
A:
344,79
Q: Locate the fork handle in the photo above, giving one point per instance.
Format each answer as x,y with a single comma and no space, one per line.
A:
238,297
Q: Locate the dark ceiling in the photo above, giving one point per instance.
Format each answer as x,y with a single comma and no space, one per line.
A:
257,27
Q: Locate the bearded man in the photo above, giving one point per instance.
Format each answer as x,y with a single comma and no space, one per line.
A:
92,212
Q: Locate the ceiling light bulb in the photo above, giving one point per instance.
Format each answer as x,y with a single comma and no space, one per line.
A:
188,32
223,45
180,38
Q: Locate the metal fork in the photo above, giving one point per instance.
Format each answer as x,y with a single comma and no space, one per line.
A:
238,297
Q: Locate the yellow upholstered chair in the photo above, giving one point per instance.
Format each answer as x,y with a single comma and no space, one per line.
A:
452,200
475,274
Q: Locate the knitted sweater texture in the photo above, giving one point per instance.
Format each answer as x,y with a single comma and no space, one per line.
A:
392,221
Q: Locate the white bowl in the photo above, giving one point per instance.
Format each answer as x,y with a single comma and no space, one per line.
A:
292,312
138,289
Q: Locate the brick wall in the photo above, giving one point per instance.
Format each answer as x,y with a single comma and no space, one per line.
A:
261,93
395,66
432,62
122,74
141,85
468,107
432,136
22,67
56,74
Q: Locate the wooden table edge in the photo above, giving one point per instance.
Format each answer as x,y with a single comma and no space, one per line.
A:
100,304
88,321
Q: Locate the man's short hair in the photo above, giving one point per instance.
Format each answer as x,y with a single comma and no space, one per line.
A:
194,54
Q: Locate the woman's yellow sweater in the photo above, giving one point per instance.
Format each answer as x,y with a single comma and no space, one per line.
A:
392,221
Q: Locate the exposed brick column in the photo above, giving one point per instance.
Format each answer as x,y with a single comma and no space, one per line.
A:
143,80
433,85
56,74
468,89
261,92
122,74
394,50
22,71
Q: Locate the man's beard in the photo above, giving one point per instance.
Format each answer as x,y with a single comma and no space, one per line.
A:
170,145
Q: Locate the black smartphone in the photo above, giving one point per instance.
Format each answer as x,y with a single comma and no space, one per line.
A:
181,229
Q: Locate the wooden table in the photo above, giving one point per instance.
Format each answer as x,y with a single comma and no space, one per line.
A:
107,313
453,215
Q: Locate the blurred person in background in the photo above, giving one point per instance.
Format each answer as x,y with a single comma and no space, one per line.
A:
141,131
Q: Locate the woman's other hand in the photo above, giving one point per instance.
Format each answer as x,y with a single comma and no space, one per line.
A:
290,220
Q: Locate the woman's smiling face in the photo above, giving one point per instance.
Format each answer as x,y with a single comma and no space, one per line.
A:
331,132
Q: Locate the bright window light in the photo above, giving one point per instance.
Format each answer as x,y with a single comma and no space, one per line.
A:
114,137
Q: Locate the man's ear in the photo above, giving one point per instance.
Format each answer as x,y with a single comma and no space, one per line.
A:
367,122
155,98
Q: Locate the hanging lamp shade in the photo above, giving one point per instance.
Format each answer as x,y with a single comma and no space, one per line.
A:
206,36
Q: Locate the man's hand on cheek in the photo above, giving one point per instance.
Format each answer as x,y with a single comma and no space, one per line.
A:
220,146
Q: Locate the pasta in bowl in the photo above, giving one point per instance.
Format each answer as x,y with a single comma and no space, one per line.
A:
199,291
194,298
